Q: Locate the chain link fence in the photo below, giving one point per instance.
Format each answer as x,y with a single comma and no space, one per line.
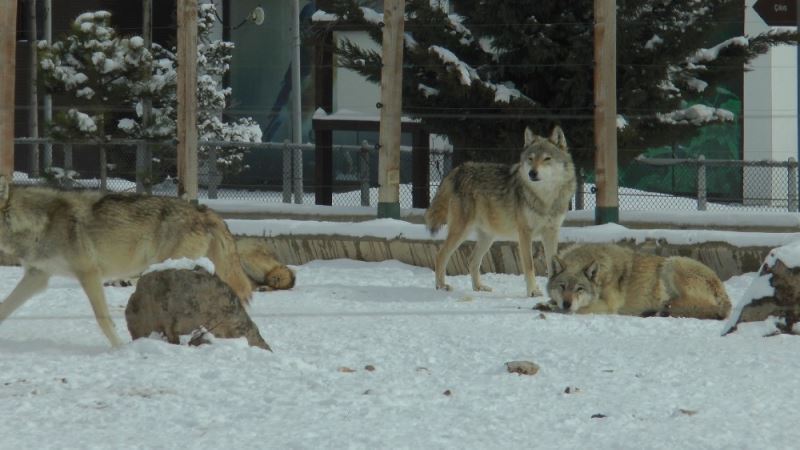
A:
285,173
706,185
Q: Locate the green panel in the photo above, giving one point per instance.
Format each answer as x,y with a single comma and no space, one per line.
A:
388,210
606,214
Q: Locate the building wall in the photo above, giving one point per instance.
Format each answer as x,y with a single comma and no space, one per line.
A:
770,114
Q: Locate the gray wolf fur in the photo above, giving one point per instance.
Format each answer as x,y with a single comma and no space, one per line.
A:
610,279
525,200
261,265
95,237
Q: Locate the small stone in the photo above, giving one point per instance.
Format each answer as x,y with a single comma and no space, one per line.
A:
369,368
522,367
571,390
599,416
344,369
447,393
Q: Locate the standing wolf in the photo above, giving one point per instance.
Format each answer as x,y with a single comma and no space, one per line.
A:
524,200
93,237
610,279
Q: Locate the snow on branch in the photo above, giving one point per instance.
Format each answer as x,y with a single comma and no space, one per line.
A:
466,73
696,115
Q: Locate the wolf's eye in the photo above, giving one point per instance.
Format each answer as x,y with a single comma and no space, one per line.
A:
578,289
547,158
562,286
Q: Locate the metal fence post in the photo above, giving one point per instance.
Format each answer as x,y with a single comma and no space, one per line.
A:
148,168
211,164
103,169
67,157
792,167
579,200
297,174
140,167
364,172
287,172
701,183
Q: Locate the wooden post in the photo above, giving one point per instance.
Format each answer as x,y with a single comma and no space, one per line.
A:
391,108
297,113
47,156
792,194
363,167
605,112
421,170
147,105
33,99
8,54
323,167
702,197
187,99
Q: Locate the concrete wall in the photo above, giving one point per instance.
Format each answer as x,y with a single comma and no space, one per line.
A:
725,259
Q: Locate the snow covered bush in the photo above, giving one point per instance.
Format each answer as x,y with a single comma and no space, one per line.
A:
92,68
98,71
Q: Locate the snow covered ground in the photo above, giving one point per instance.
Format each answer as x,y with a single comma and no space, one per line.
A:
606,382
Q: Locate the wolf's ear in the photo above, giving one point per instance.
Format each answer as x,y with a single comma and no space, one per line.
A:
591,271
529,136
558,266
4,189
558,139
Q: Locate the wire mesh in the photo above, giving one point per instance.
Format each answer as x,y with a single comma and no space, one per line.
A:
648,184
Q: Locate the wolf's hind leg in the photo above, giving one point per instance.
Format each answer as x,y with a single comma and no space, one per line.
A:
481,247
456,234
33,282
93,286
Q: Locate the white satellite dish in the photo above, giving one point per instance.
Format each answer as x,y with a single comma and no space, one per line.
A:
257,15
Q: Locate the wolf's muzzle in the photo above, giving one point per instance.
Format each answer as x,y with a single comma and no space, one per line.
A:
533,175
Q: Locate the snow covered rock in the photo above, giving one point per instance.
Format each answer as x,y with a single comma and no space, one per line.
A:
178,302
774,296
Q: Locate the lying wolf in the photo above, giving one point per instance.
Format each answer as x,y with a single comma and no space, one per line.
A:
262,266
609,279
95,237
526,200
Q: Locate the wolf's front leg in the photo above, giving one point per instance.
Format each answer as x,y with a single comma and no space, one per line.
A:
482,246
550,245
91,283
526,255
33,282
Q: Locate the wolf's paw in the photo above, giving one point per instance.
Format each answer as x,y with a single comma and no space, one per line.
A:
444,287
481,288
550,306
535,292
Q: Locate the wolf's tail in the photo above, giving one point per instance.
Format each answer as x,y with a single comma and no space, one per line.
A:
222,252
436,215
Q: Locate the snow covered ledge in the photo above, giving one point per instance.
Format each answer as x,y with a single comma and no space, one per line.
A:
299,241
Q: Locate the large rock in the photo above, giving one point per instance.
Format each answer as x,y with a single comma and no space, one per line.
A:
774,295
178,302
